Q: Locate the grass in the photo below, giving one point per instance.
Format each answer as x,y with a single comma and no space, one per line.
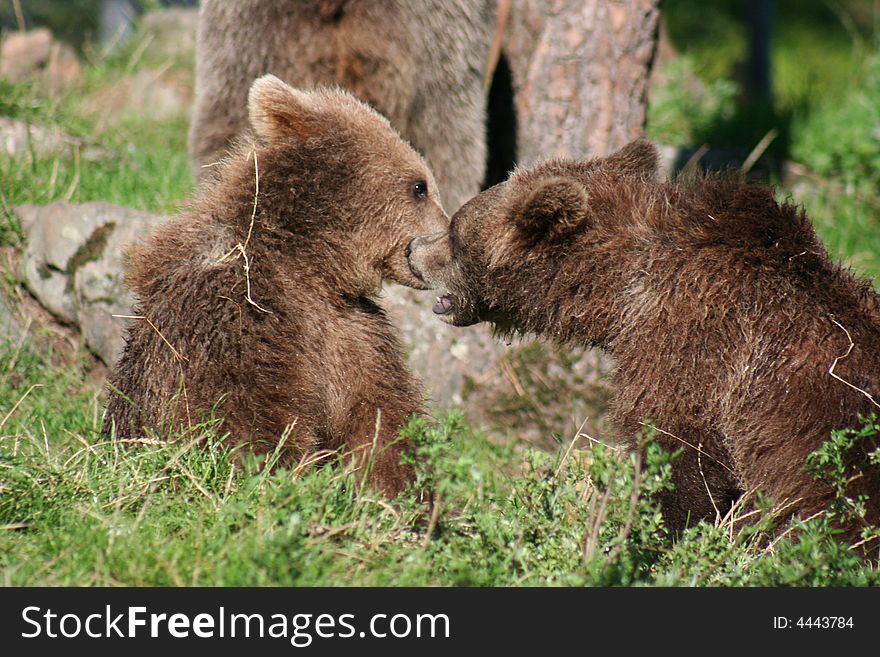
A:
142,163
77,508
131,160
817,47
825,111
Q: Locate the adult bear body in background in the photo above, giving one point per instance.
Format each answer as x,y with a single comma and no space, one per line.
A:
259,300
421,64
732,329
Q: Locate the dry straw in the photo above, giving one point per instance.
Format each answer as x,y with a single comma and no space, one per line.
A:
843,356
240,250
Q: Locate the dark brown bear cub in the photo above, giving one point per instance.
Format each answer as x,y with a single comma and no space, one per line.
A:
733,331
259,301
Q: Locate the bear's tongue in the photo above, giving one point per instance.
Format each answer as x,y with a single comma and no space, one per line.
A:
443,305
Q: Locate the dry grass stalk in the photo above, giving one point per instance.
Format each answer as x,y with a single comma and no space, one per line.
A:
511,376
240,250
19,15
692,446
432,523
383,504
706,484
18,403
633,505
758,150
178,357
577,435
773,543
310,459
845,355
591,539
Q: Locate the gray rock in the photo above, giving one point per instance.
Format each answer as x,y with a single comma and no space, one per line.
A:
523,385
24,53
669,156
54,234
10,326
100,290
19,139
73,264
443,357
36,55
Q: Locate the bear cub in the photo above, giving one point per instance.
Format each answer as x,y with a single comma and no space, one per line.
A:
258,303
733,331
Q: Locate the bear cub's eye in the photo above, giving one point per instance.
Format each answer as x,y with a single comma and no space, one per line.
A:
420,189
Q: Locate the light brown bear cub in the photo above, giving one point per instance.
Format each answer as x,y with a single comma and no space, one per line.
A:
732,329
260,299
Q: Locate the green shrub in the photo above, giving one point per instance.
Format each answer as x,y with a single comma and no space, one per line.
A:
683,110
840,138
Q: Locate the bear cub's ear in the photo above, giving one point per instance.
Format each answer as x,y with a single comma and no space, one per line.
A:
557,207
639,158
279,111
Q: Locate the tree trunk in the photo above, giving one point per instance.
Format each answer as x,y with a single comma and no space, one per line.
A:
580,74
760,15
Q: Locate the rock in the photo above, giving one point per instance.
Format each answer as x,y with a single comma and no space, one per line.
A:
172,32
100,290
669,157
10,327
35,55
544,394
73,265
527,388
53,235
19,139
443,357
29,322
24,53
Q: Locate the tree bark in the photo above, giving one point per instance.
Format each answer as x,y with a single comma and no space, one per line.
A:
580,74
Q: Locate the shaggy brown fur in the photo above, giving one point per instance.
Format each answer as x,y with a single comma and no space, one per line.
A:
422,64
721,307
289,335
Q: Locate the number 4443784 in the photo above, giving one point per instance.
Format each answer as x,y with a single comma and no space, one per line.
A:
813,622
